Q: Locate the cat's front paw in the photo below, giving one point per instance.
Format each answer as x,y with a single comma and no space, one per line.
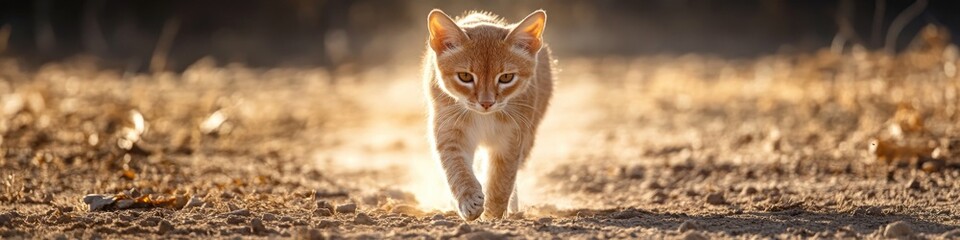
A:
470,204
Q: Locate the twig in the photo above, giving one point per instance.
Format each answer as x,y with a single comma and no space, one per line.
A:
5,37
900,22
158,62
878,13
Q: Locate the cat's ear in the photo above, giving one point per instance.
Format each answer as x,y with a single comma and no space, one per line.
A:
528,34
444,33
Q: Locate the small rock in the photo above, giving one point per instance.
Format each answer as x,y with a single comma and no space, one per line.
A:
898,229
443,223
693,235
716,199
232,207
626,214
257,226
239,212
66,209
437,217
363,219
749,191
234,220
545,220
325,205
124,203
634,172
483,235
652,185
932,166
165,227
193,202
914,184
463,229
347,208
952,234
269,217
7,217
98,201
323,212
133,193
308,234
330,194
150,222
327,223
286,219
688,225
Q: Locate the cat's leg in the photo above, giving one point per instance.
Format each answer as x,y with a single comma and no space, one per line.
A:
505,161
455,150
514,201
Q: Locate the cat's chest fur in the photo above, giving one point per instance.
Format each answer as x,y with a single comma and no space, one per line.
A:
491,130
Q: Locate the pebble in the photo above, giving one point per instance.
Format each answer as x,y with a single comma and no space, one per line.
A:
240,212
545,220
914,184
150,221
325,205
363,219
688,225
749,191
257,226
98,201
653,185
626,214
124,203
7,217
327,223
635,172
347,208
932,166
952,234
308,234
193,202
716,199
443,223
165,227
234,220
898,229
463,229
269,217
437,217
323,212
232,207
692,235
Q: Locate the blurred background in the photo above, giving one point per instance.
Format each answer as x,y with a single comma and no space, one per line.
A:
337,33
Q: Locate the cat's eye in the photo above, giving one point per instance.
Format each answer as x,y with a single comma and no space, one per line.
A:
506,78
465,77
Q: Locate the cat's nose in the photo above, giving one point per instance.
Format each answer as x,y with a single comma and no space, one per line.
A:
486,105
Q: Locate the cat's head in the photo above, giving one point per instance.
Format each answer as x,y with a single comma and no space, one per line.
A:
483,63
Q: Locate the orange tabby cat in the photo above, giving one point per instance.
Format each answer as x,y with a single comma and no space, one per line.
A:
488,84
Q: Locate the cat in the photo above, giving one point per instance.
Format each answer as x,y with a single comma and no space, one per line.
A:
488,84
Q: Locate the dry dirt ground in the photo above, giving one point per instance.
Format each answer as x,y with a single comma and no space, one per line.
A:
853,145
